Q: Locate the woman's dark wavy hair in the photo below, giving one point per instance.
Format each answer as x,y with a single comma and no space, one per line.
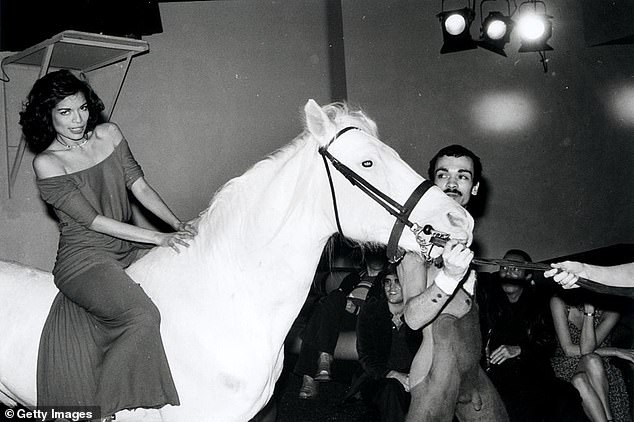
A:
47,92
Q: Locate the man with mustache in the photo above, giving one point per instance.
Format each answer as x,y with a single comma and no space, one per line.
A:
457,171
445,378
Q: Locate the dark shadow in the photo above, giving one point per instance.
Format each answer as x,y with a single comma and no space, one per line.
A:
336,53
156,222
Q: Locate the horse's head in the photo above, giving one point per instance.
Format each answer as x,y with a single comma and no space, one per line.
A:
350,147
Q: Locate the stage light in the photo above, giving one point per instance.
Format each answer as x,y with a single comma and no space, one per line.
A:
495,32
495,29
456,26
535,29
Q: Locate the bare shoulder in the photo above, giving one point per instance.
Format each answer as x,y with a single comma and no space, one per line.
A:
46,164
109,132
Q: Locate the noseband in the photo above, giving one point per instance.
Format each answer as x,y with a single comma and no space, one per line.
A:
401,212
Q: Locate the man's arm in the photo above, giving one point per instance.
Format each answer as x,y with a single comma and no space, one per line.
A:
568,272
425,300
422,303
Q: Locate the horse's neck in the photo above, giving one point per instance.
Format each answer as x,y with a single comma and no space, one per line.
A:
275,208
261,237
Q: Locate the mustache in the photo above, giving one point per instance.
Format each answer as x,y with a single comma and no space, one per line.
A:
454,191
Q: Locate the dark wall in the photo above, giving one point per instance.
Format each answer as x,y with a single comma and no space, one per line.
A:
24,23
557,147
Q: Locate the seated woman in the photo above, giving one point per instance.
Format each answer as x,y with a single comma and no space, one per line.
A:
583,323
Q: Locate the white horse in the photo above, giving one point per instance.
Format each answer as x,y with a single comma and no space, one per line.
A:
228,301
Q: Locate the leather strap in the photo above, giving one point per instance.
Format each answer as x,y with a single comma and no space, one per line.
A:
399,225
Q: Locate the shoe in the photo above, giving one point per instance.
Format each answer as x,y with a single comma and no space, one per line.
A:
310,388
323,367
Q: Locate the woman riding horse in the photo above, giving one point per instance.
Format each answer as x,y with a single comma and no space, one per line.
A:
102,323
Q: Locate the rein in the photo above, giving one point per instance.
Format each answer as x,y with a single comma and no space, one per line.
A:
439,239
401,212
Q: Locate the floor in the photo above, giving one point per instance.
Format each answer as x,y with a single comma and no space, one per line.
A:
327,406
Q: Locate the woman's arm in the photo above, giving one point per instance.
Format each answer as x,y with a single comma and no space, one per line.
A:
134,233
151,200
560,319
588,340
608,321
140,188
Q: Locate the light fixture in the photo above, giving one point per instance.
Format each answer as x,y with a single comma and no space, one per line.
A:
456,26
535,28
495,30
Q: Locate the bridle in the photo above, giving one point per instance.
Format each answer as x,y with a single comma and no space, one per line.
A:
401,212
436,238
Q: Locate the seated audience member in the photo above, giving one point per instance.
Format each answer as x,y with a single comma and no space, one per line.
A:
386,347
568,272
518,341
335,313
583,323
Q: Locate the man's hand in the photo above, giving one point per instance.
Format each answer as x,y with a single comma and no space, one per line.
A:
456,258
566,273
503,353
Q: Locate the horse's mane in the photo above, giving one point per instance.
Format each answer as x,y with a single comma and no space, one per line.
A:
239,190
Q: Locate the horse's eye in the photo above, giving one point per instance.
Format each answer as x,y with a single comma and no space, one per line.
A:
367,163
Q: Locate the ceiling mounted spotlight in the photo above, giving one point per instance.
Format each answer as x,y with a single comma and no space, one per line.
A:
495,31
535,28
456,26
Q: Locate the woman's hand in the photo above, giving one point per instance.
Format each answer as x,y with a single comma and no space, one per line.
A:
174,240
189,226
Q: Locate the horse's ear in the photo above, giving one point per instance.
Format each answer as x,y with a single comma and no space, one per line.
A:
318,123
